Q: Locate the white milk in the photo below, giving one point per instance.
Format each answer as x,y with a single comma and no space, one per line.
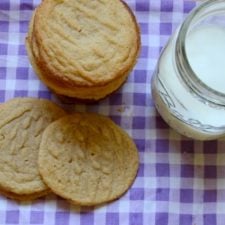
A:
205,52
183,111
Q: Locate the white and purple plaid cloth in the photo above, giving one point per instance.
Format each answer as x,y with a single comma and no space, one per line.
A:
180,181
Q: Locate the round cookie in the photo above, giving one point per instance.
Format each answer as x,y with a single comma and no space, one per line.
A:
83,49
87,159
22,122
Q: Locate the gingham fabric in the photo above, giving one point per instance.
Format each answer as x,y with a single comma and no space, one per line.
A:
179,182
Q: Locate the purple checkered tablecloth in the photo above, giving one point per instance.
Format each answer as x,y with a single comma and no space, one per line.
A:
180,181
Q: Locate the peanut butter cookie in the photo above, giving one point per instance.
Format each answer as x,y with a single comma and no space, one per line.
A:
87,159
22,122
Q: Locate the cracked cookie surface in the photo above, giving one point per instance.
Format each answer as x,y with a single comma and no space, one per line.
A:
83,48
87,159
22,122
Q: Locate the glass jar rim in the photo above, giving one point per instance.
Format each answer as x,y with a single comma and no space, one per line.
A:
185,70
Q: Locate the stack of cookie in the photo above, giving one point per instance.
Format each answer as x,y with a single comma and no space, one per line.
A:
82,157
83,49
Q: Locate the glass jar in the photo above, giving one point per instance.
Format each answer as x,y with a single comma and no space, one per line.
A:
188,86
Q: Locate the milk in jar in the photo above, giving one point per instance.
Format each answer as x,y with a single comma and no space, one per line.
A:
188,86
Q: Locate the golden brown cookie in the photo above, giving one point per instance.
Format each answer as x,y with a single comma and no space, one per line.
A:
87,159
22,122
83,48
